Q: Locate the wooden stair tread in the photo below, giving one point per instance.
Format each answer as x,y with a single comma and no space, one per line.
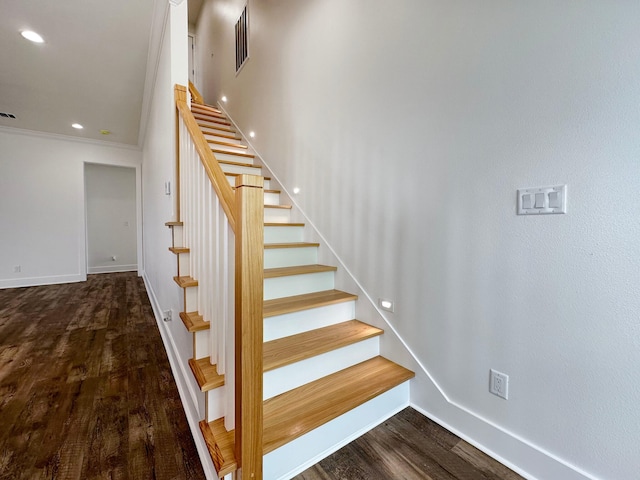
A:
271,224
237,154
185,282
297,270
220,134
230,174
290,245
227,144
239,164
206,374
204,106
210,118
221,446
193,321
222,128
298,411
284,207
287,350
178,250
296,303
174,224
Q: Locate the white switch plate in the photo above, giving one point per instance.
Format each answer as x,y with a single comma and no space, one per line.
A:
542,200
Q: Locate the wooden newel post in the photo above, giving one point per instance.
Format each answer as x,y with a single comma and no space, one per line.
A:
249,278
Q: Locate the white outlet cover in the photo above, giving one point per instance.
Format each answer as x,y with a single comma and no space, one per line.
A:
499,384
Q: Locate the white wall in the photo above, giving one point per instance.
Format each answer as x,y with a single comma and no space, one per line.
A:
158,167
110,194
409,126
42,217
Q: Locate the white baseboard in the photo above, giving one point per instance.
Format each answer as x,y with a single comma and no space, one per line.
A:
186,396
114,269
35,281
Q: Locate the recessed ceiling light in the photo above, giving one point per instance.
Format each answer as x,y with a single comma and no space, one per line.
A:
252,134
224,99
77,125
32,36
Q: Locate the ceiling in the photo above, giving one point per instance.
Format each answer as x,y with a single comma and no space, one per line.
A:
90,70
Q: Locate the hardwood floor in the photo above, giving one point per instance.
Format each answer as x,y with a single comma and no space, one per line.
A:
408,446
86,391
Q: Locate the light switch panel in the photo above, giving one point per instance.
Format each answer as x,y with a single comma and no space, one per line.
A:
542,200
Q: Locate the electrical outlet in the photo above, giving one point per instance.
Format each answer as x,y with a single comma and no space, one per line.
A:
166,315
113,258
17,269
499,384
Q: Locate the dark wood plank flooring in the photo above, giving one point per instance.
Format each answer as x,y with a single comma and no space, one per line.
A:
86,390
408,446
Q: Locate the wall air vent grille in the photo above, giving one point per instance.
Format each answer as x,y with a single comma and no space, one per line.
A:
242,40
7,115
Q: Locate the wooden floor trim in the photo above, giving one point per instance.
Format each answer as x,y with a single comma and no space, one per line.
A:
270,246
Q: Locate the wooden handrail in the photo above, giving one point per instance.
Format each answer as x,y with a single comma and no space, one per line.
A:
195,94
245,212
211,166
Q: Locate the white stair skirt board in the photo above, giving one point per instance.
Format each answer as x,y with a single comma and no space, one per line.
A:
216,399
298,455
271,198
232,182
277,215
297,284
191,299
201,341
283,234
227,157
304,320
297,374
289,257
248,169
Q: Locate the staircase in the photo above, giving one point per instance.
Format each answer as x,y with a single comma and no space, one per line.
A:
324,382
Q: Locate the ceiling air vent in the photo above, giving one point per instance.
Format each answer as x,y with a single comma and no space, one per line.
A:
242,40
7,115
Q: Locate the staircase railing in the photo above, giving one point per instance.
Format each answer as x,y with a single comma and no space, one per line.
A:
224,231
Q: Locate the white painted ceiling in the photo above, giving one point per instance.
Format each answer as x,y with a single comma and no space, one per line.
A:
90,70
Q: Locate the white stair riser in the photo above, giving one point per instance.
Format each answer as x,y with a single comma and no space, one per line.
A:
307,450
201,342
283,234
300,373
302,321
211,135
297,284
229,157
271,198
232,182
178,237
277,215
183,264
249,170
216,399
191,299
227,148
289,257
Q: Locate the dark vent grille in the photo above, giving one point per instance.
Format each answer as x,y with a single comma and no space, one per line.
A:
7,115
242,40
